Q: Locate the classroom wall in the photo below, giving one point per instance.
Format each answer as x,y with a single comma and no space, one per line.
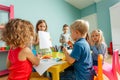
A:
88,10
55,12
103,16
58,12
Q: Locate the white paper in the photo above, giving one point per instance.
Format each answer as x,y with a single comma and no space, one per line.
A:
44,39
45,64
69,51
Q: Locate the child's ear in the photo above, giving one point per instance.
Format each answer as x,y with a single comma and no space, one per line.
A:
77,32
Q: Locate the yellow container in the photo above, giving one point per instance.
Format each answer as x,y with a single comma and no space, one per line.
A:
54,54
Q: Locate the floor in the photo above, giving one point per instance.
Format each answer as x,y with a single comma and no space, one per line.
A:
108,59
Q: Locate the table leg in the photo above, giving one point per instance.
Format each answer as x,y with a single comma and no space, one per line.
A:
55,75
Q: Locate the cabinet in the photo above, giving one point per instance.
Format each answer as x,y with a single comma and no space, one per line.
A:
3,54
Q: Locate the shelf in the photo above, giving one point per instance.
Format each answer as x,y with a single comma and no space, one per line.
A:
4,51
4,72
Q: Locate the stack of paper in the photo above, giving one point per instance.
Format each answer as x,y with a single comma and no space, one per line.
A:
45,64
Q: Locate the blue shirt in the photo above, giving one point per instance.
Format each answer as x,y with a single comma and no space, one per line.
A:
83,60
102,49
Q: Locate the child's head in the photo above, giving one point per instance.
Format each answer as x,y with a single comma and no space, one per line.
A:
79,29
65,28
97,36
18,33
41,26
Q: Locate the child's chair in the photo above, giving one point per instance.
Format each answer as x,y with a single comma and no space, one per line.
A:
36,76
99,68
117,60
110,69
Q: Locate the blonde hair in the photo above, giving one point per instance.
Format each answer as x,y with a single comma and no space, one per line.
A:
18,32
101,39
81,25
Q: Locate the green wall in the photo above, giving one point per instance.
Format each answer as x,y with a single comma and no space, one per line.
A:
58,12
88,10
55,12
103,16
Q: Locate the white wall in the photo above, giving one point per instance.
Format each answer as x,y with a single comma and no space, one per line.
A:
92,19
115,25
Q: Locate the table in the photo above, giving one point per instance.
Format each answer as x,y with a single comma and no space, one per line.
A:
56,69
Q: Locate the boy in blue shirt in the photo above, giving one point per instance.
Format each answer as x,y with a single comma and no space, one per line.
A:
80,57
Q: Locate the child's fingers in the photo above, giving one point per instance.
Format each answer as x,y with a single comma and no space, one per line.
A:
64,50
39,55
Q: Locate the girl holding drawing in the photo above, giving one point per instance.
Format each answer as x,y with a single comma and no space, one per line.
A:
41,26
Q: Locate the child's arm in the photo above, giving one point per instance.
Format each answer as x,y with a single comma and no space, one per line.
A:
68,57
33,59
36,40
62,40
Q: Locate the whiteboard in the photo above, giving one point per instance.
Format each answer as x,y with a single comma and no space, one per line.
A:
92,19
115,25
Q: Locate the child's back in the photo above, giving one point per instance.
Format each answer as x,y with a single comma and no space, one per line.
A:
17,34
19,67
83,63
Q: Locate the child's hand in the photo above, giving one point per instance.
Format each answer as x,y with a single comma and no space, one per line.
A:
70,44
39,56
65,50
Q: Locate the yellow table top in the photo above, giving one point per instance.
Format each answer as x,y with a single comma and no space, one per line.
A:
56,69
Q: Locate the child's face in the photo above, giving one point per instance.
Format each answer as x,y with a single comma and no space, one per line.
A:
42,27
73,35
95,36
65,29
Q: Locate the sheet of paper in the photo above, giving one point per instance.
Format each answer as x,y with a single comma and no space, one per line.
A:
44,39
69,51
45,64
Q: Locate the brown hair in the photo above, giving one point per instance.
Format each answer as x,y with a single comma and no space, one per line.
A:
39,22
18,32
65,25
81,25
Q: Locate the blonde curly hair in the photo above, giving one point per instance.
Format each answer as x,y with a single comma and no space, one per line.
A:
18,33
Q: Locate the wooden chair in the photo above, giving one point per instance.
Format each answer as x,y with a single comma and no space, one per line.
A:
36,76
98,68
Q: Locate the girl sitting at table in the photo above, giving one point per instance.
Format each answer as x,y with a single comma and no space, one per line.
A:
17,34
97,45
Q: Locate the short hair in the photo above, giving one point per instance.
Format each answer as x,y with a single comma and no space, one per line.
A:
65,25
81,25
18,32
39,22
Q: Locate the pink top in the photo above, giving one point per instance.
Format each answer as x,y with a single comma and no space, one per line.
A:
19,70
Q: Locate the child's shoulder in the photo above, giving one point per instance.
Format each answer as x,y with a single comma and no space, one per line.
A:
26,50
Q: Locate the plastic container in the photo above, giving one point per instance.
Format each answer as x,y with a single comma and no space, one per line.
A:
34,52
